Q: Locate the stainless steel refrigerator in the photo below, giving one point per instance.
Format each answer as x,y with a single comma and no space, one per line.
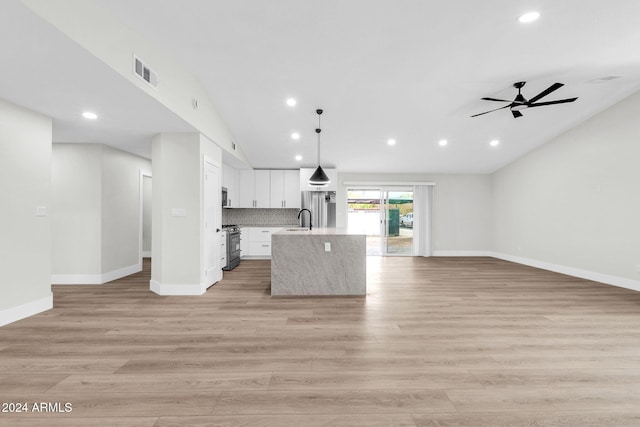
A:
322,205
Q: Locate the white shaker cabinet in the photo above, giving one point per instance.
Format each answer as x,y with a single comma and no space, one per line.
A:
285,189
255,188
259,241
244,241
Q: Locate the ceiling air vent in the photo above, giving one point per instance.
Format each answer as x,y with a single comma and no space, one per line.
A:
144,72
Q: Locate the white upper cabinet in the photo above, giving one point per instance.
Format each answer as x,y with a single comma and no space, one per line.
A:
255,189
247,189
277,189
263,188
269,189
285,189
292,189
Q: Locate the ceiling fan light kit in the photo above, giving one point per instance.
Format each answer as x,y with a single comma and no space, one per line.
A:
520,103
319,177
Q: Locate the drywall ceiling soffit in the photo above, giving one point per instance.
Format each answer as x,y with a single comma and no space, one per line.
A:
52,75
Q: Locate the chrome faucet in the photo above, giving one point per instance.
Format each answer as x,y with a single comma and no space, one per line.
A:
300,213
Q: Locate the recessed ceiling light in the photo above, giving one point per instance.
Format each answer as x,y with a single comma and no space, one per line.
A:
295,136
443,142
494,143
391,142
298,157
291,102
529,17
89,115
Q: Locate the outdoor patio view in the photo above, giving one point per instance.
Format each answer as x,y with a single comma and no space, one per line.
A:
386,217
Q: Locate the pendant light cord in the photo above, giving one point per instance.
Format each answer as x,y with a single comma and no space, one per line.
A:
319,111
319,130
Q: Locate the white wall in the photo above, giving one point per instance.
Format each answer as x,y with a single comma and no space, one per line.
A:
121,209
461,208
25,239
76,211
96,213
147,206
175,186
177,243
573,204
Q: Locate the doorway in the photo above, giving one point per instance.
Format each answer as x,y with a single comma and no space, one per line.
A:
386,216
145,222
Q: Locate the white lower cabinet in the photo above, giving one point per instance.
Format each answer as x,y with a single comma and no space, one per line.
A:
261,249
223,249
244,241
257,241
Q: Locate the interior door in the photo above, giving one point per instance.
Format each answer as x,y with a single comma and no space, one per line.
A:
212,202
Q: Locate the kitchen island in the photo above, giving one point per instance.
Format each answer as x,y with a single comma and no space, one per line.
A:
318,262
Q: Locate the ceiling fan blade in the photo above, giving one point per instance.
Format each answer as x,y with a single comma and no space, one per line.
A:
491,111
559,101
546,92
495,99
516,114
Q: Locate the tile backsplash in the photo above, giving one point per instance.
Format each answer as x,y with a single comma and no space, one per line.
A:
241,216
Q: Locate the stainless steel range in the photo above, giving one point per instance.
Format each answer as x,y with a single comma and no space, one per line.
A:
233,246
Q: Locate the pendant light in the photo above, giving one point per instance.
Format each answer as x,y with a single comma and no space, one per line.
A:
319,178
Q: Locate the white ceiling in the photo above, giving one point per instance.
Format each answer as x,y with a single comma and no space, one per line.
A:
413,70
45,71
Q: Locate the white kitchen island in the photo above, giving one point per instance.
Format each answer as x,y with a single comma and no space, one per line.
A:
318,262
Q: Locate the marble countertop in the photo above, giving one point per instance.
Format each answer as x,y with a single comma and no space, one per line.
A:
317,232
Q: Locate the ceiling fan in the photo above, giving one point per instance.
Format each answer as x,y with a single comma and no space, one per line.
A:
520,102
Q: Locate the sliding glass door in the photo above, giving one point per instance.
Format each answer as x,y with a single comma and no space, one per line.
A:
398,221
385,215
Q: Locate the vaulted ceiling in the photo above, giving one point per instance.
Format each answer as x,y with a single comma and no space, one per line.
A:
411,70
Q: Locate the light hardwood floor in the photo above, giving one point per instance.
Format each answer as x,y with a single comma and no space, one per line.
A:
436,342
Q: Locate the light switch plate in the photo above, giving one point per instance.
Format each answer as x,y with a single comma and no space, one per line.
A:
327,246
41,211
178,212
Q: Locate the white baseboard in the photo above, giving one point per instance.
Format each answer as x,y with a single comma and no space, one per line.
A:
13,314
177,289
146,254
121,272
621,282
94,279
461,253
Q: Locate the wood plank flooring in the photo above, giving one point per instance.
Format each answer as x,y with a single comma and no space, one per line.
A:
436,342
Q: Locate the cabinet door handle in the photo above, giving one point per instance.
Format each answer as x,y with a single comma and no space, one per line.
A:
265,246
265,231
